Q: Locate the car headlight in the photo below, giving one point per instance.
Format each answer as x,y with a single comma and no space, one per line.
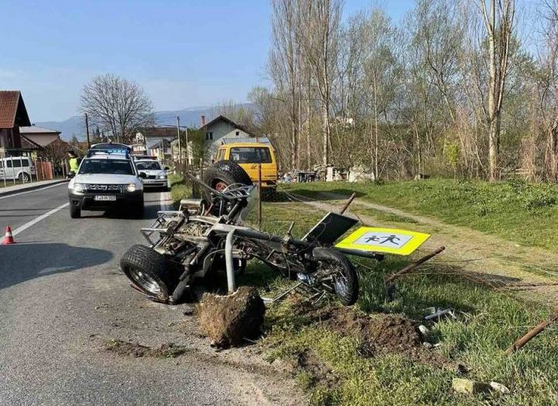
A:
80,187
132,187
162,176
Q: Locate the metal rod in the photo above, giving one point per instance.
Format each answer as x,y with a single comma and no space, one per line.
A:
178,135
535,331
260,196
414,265
347,203
229,261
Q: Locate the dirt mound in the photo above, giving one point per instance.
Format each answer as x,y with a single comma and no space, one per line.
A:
227,320
393,332
379,333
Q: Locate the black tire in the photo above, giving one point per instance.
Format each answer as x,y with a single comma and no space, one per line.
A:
75,211
225,172
138,211
24,177
149,271
346,286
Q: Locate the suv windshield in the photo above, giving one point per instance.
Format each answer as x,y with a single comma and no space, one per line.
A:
108,166
251,155
148,166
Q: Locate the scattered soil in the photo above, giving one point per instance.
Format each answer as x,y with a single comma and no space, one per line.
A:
229,320
379,333
317,371
137,350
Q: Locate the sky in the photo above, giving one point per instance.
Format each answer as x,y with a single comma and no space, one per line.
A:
184,53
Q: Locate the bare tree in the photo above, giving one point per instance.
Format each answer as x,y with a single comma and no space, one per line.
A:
322,19
548,84
498,18
284,66
117,105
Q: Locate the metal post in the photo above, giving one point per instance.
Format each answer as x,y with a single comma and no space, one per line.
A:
2,156
229,261
260,196
187,151
87,131
178,134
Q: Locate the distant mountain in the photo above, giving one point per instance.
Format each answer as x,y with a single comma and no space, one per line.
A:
189,117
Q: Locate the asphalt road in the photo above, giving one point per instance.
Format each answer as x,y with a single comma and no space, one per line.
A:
62,298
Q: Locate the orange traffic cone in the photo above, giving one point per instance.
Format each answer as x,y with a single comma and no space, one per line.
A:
9,238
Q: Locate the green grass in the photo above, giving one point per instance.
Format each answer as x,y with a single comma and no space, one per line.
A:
490,321
515,210
179,190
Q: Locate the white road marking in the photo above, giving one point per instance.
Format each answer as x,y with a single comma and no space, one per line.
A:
32,191
55,269
37,219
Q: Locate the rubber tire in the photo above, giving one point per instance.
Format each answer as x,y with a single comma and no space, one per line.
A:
75,211
23,176
138,211
153,264
226,171
329,255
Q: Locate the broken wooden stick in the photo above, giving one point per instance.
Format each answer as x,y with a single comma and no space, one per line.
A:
347,203
535,331
413,265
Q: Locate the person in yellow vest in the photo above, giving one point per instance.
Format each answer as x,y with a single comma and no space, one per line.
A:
73,161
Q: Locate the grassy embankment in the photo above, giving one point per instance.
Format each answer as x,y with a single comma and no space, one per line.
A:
341,374
517,211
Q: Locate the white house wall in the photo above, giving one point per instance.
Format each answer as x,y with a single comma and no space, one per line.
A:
222,130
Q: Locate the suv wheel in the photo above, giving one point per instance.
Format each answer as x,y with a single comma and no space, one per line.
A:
75,211
138,210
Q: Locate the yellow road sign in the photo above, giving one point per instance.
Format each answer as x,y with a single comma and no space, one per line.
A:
387,240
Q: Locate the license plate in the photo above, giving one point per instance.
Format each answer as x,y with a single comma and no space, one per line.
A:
105,198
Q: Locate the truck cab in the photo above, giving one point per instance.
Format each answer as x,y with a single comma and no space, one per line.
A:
249,155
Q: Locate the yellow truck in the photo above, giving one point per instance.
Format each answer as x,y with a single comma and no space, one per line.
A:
249,155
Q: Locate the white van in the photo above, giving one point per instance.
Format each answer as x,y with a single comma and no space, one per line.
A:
18,167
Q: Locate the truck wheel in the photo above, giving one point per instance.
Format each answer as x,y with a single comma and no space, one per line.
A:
225,173
345,279
149,271
75,211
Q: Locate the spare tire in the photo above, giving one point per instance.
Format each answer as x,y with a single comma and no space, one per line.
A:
222,174
225,173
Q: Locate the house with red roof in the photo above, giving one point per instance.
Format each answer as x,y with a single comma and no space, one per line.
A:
13,115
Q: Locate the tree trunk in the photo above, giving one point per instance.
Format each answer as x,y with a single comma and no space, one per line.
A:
325,132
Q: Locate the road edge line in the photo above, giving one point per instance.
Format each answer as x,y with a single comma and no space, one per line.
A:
37,219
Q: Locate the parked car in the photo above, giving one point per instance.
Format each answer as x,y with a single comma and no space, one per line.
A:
19,168
155,174
106,179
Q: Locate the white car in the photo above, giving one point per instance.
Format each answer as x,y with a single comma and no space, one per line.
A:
155,173
18,168
106,180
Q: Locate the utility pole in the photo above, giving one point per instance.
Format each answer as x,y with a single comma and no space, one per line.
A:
87,131
178,134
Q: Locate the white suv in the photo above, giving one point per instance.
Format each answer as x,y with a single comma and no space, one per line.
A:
106,179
